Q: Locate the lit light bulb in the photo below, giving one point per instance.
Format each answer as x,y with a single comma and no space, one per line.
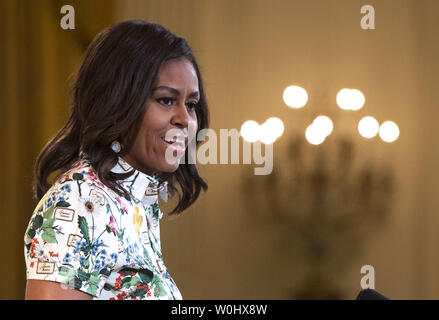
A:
250,131
276,125
267,134
368,127
295,97
314,135
350,99
389,131
324,124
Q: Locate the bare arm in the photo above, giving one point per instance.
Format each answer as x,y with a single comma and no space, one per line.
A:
50,290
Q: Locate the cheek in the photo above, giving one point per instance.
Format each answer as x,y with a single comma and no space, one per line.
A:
192,129
152,125
146,142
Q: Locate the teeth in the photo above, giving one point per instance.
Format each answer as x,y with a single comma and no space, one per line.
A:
174,141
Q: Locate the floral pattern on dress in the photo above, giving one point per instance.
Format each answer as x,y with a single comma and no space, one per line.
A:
85,236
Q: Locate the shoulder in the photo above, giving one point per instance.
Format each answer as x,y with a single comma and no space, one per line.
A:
81,172
78,188
73,225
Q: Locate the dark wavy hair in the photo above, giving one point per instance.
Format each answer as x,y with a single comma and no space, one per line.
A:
112,85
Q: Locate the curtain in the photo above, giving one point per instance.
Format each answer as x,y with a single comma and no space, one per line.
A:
38,60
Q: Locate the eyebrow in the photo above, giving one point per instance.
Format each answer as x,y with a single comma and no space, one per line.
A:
175,91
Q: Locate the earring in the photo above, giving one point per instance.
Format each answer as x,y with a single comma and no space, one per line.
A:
115,145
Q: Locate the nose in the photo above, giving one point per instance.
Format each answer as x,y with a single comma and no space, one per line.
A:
181,116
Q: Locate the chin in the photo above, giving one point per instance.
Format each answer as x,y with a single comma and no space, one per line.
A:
169,168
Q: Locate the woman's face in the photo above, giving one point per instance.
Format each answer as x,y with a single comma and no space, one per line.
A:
171,105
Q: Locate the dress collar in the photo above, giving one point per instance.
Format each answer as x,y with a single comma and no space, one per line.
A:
140,184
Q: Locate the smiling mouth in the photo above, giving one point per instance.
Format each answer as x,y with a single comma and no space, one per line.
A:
178,143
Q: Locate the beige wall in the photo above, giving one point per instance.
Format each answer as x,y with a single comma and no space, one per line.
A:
249,51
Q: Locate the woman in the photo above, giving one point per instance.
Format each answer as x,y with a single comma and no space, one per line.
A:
95,232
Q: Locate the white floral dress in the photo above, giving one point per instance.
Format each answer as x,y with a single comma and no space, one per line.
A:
83,235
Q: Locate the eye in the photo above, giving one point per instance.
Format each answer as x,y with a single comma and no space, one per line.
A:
192,105
165,101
